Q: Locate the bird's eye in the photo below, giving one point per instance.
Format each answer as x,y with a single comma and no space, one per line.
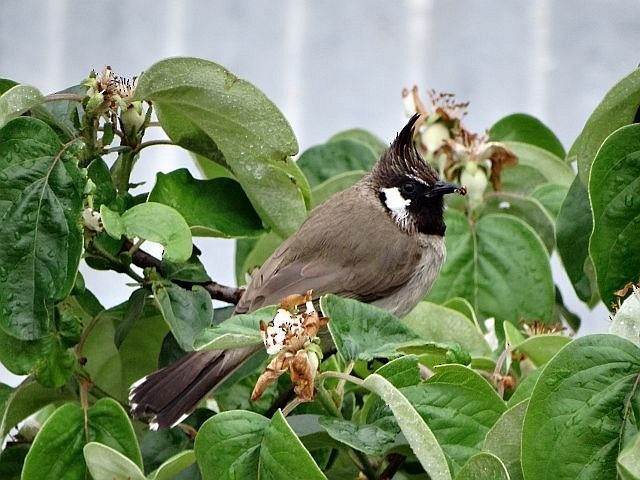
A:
408,188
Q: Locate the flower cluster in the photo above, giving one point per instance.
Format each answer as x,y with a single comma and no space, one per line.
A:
292,336
463,157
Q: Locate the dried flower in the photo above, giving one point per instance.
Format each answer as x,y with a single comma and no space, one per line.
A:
538,327
292,337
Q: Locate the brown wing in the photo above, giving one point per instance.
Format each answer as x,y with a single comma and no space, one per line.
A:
372,261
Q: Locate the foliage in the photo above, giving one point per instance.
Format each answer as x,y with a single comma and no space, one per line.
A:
479,381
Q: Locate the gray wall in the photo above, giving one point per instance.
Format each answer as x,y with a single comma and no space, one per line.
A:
331,65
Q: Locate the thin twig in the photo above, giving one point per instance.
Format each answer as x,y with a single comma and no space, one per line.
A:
395,462
216,291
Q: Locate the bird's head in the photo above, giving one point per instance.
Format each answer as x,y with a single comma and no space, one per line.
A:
409,188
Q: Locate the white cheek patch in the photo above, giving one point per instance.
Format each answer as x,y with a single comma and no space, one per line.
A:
395,201
397,204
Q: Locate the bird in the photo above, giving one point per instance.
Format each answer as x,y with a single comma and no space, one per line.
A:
380,241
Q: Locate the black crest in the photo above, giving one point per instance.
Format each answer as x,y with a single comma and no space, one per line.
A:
402,160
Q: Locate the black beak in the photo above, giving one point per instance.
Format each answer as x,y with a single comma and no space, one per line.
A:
442,188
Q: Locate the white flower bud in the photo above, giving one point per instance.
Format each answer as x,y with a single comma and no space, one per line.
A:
434,136
475,179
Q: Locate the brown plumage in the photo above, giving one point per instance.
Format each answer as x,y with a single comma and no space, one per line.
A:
353,245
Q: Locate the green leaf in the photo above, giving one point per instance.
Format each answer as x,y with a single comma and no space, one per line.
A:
460,406
56,363
438,324
104,364
174,465
617,109
192,271
578,409
235,332
361,136
402,371
208,110
483,466
12,460
420,437
535,167
520,127
212,208
541,348
364,332
105,191
282,455
140,350
614,191
367,438
322,162
257,254
105,463
504,439
551,196
486,259
56,452
573,229
187,312
626,321
228,445
155,222
629,461
41,190
17,100
525,208
341,181
25,400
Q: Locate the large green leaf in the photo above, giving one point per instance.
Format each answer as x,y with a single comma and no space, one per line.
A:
56,452
41,190
573,228
235,332
322,162
106,463
614,190
25,400
242,444
617,109
483,466
282,455
578,409
524,207
336,184
155,222
206,109
629,461
460,406
212,208
484,262
173,466
361,136
17,100
417,432
364,332
438,324
536,166
187,312
541,348
369,438
520,127
551,196
504,439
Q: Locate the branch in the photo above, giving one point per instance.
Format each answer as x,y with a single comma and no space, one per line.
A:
216,291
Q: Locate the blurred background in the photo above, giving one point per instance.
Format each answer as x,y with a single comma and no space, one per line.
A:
334,64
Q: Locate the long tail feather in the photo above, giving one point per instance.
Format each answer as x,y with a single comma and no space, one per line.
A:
167,395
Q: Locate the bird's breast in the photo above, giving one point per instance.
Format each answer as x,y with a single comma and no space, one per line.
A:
426,271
